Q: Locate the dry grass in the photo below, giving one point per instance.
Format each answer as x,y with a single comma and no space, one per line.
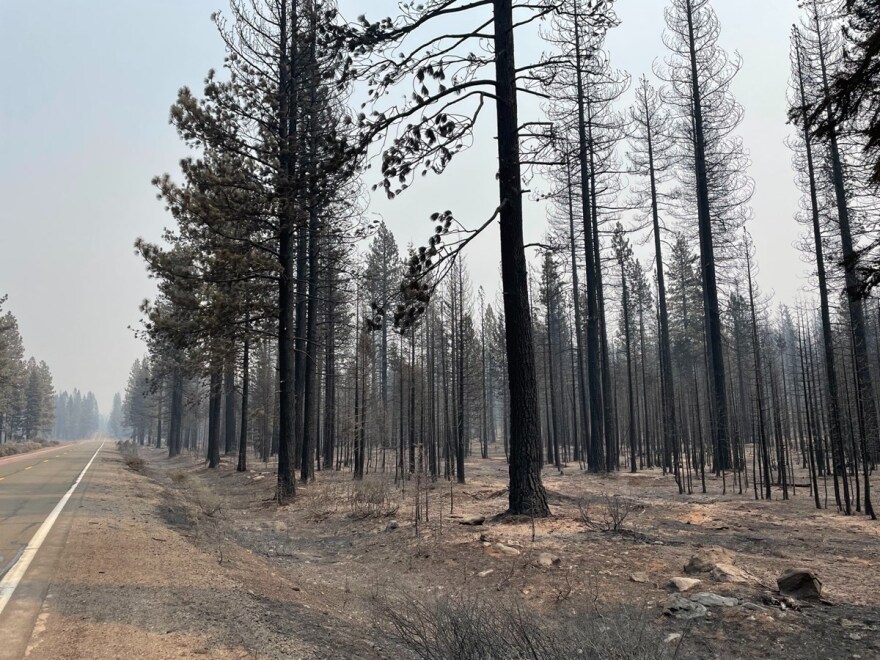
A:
15,448
470,627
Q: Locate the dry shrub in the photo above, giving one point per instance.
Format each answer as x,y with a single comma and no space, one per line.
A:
129,451
609,514
24,446
464,627
372,498
14,448
322,501
134,461
178,476
207,500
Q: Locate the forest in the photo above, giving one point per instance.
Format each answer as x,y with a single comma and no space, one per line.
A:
289,324
630,350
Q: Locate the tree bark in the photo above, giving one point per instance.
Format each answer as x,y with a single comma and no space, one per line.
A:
526,495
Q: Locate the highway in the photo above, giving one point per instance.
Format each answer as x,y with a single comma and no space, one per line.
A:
33,532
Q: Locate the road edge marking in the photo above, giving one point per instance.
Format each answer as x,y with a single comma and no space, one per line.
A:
13,576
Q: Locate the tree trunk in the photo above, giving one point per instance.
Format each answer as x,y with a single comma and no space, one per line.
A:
862,365
707,266
526,494
287,132
594,375
214,398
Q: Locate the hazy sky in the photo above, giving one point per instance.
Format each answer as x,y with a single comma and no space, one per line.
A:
86,88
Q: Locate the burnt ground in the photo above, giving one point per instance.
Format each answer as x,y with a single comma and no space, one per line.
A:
310,579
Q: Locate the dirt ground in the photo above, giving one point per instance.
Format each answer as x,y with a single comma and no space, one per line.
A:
182,561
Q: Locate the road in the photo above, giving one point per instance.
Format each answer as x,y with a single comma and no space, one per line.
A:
31,486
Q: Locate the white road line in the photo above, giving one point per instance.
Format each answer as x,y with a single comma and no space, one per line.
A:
10,581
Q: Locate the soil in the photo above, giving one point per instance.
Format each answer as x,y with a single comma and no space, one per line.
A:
178,560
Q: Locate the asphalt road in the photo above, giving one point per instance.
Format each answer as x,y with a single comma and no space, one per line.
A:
31,485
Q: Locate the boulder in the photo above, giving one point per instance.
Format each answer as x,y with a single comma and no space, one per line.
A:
640,578
713,600
392,525
682,584
681,608
506,550
707,558
730,573
799,583
473,521
546,560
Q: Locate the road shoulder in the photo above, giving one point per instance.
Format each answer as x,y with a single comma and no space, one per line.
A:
131,585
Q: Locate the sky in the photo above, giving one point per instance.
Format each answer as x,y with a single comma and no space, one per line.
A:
86,88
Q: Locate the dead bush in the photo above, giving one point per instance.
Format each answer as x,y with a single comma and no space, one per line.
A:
207,500
129,451
609,514
466,627
371,498
14,448
134,462
178,476
11,448
321,502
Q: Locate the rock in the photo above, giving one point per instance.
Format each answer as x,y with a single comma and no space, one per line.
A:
707,558
754,607
713,600
730,573
640,578
672,637
506,550
682,608
683,584
472,520
546,560
488,571
799,583
392,525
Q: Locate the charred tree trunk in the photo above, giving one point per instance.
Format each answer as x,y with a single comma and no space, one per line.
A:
229,406
287,133
245,392
214,399
527,495
707,265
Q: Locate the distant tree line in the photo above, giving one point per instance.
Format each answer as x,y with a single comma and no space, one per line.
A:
76,416
27,397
